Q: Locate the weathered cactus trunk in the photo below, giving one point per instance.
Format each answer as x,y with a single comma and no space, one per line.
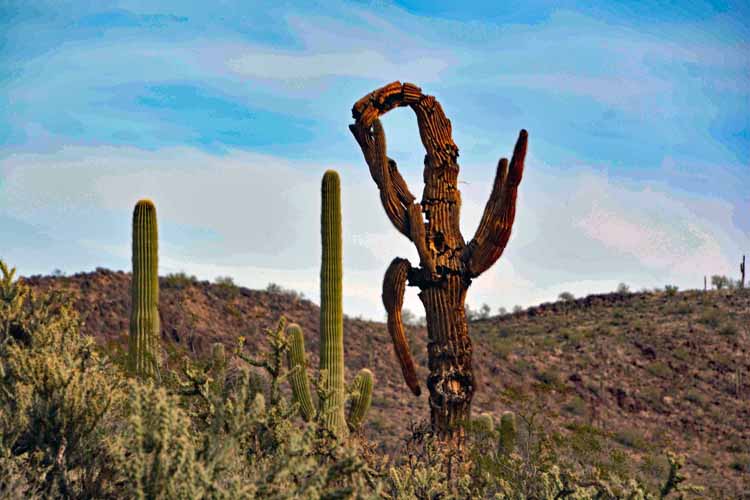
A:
447,263
451,379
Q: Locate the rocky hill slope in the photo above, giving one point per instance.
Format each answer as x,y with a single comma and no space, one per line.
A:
618,375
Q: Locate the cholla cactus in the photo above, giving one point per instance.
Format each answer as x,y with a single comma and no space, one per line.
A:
145,330
331,388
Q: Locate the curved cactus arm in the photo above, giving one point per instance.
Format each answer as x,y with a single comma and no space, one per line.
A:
434,126
394,285
298,372
361,398
497,220
394,193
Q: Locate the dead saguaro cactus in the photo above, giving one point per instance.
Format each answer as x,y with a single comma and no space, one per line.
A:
447,264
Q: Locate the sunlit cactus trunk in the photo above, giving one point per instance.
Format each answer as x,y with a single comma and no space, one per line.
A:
331,305
447,264
143,341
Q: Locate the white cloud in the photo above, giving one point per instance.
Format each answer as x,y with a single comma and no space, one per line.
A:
357,64
582,231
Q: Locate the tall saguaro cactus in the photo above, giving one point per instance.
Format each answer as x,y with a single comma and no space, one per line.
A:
332,402
332,301
143,342
447,264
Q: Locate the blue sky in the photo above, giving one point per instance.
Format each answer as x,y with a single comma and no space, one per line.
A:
228,113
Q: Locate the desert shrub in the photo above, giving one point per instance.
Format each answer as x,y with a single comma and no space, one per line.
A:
566,297
631,437
741,463
517,309
622,288
728,330
279,290
549,376
720,282
58,396
671,290
659,369
710,317
226,288
179,280
696,397
484,311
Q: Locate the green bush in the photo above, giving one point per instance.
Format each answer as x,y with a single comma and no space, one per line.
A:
226,288
179,280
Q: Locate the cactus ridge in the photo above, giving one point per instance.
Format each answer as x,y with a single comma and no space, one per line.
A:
143,341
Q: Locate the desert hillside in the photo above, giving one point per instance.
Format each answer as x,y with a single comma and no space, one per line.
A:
642,372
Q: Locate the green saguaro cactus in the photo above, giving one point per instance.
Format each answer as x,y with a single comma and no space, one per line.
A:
359,394
332,401
508,434
143,342
331,302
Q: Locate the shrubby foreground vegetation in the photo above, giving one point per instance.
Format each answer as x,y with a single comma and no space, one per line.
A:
74,424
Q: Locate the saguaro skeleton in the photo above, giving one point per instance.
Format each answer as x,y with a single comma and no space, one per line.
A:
446,263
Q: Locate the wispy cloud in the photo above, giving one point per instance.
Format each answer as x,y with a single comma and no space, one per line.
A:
256,217
355,64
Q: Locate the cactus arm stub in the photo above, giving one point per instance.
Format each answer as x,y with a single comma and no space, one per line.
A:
361,392
298,372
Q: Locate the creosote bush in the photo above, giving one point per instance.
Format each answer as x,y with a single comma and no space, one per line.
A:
75,424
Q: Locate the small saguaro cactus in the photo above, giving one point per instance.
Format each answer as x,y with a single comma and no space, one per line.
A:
143,341
742,272
508,433
447,263
331,389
